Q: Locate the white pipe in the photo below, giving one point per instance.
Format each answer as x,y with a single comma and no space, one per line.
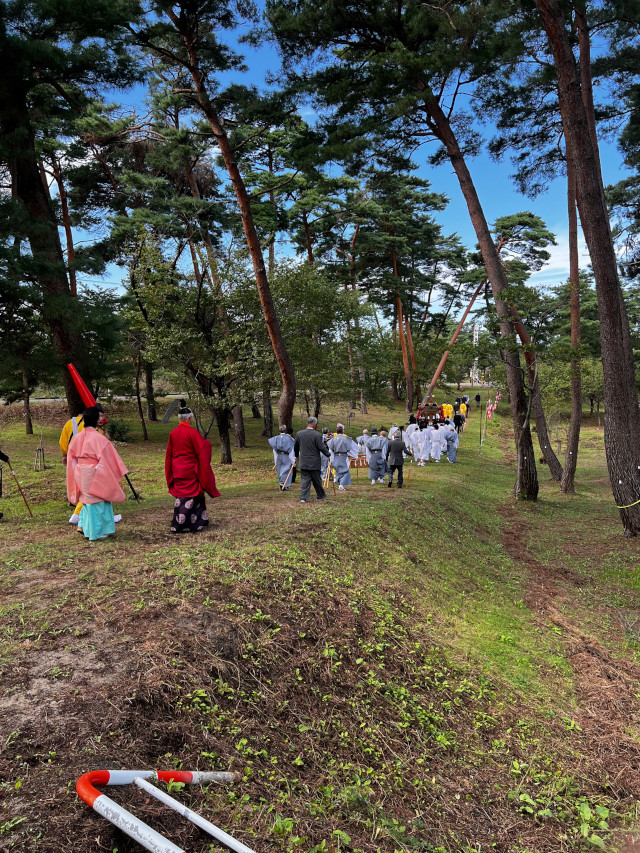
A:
133,827
195,818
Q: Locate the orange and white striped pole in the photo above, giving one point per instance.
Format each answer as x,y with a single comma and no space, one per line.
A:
133,826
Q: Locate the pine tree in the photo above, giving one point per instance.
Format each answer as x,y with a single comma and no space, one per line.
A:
394,67
187,35
79,46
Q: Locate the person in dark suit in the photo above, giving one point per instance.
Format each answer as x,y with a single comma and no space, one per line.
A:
308,447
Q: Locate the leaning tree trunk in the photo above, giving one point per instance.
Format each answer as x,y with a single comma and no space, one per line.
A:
26,396
288,396
622,417
526,487
567,484
59,307
403,340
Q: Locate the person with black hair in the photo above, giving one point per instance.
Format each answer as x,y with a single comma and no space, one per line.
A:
72,427
94,471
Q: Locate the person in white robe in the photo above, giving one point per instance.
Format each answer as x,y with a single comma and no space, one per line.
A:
438,442
428,443
283,457
342,449
416,442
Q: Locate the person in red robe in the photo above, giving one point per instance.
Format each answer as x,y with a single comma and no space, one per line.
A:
188,471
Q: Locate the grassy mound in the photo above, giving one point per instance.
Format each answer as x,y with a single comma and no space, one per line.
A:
437,669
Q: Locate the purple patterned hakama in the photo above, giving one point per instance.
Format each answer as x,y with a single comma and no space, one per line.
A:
189,515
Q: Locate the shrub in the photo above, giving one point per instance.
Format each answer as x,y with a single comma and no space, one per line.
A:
118,430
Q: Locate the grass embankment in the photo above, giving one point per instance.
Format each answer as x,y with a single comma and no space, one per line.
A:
432,669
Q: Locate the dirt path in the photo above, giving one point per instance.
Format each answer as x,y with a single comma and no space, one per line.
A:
606,686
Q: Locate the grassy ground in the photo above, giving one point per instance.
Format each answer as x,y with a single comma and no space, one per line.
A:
432,669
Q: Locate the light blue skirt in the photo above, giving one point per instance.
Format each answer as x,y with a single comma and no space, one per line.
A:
96,520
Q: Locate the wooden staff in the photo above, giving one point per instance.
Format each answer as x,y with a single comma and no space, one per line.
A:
282,488
22,493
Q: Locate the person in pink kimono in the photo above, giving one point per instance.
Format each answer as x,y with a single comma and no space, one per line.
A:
94,471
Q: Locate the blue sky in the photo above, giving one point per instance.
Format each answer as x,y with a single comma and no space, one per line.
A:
497,192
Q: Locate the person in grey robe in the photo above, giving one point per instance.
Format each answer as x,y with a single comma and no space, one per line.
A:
308,447
342,449
452,441
376,453
324,460
283,457
363,440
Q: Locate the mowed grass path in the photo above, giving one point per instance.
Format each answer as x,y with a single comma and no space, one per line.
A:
496,642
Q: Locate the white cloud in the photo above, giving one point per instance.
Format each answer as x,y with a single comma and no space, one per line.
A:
557,269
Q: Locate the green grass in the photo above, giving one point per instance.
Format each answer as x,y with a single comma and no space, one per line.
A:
385,647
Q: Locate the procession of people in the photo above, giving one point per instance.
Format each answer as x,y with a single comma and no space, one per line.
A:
94,469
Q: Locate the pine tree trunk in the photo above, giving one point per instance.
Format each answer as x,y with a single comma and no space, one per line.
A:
356,324
555,468
288,396
414,360
238,427
567,484
26,396
66,222
149,392
145,434
395,396
526,487
223,422
307,237
352,369
59,307
267,411
622,417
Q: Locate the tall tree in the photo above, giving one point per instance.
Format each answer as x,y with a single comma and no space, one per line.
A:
186,35
54,55
392,68
622,415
